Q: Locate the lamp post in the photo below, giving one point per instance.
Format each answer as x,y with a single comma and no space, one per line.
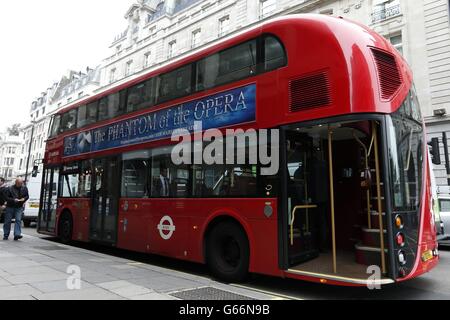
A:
29,150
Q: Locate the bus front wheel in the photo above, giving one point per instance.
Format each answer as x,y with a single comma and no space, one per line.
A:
228,252
65,228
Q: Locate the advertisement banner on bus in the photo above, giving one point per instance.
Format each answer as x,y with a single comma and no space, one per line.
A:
221,110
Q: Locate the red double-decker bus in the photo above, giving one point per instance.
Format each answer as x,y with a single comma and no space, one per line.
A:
350,203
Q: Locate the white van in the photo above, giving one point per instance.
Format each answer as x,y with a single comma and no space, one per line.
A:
31,211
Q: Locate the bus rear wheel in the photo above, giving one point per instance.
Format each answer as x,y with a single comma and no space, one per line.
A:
65,228
228,252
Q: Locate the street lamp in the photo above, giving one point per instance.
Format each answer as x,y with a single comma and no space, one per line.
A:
29,150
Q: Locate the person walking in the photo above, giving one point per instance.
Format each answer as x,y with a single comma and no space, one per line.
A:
16,196
2,195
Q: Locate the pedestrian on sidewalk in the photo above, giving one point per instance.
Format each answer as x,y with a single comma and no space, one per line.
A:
16,196
3,188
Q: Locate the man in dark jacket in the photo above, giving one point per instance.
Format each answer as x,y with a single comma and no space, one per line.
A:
2,195
15,196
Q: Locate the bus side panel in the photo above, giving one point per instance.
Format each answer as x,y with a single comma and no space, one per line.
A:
134,221
81,232
176,228
80,209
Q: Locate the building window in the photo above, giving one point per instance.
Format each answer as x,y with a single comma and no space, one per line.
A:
112,75
128,68
171,49
153,32
385,9
147,57
224,26
397,42
267,7
328,12
195,40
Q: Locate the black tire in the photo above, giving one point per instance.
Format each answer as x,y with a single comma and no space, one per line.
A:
26,223
228,252
65,228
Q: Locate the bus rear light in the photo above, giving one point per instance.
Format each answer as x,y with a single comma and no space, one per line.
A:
399,222
400,239
402,258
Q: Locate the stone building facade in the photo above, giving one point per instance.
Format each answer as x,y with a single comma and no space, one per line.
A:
9,160
72,87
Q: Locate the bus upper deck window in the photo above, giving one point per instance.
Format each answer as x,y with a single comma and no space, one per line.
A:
55,126
274,54
68,120
110,106
175,84
237,63
141,96
92,111
81,117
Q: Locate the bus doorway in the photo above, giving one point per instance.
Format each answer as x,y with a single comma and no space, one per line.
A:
105,201
49,201
335,200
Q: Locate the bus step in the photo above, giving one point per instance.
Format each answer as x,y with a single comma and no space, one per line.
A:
371,237
368,256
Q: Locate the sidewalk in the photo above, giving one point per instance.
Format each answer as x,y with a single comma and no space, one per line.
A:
36,269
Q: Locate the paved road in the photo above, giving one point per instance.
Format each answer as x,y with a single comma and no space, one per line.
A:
434,285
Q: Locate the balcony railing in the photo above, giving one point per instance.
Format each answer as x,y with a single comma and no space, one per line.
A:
386,13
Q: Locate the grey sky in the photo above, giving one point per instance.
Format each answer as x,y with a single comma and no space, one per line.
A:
40,40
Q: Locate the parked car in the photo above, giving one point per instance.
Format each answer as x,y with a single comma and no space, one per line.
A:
444,205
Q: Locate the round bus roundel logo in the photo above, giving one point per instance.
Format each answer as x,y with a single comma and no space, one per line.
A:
166,228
